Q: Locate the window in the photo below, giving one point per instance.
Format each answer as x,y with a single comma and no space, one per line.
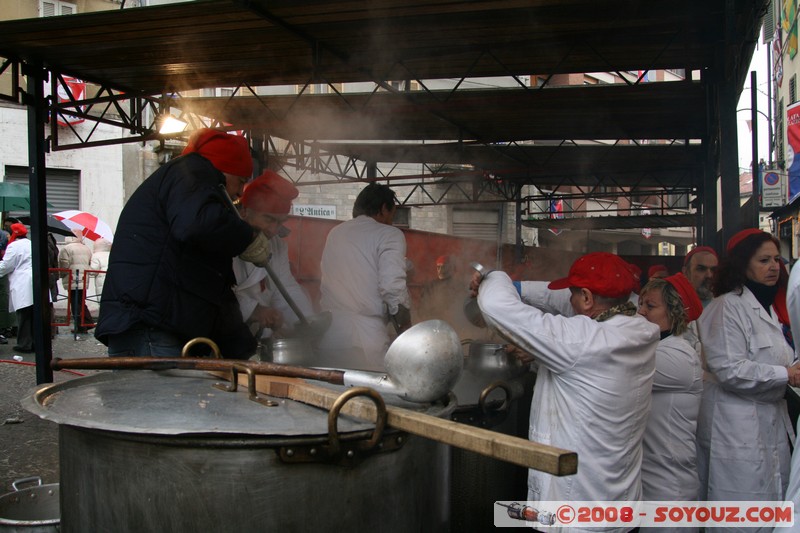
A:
477,224
402,217
51,8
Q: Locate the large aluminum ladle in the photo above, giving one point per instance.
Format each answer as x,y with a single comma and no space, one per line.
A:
422,364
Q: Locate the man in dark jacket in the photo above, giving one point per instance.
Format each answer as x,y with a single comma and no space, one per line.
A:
169,275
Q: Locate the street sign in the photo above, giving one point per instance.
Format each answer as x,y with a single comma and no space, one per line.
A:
773,189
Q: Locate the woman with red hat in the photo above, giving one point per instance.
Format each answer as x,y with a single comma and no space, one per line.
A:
16,264
669,469
743,431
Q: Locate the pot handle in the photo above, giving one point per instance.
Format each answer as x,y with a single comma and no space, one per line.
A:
333,417
489,389
201,340
15,485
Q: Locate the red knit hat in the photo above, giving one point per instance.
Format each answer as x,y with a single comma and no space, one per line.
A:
655,269
442,260
691,302
602,273
228,153
734,241
697,250
17,230
269,193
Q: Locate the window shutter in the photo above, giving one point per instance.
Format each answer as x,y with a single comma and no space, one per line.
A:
48,8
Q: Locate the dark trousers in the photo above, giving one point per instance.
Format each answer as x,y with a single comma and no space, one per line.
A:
25,328
76,298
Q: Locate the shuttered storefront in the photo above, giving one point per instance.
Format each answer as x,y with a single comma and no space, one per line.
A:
63,187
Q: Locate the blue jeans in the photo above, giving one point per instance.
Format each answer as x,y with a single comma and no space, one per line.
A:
144,341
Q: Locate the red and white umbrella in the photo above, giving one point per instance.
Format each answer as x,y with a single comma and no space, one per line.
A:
89,225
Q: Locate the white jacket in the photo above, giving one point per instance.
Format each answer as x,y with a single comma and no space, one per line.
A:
363,281
99,261
743,430
254,287
593,388
75,257
17,265
793,305
669,463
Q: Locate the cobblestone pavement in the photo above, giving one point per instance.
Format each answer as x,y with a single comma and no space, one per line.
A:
28,444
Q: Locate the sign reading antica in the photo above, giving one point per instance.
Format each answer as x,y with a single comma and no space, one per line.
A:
318,211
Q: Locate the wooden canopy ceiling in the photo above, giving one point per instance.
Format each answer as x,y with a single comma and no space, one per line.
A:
220,43
173,48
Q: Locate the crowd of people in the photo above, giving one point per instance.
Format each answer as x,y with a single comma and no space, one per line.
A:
693,385
72,263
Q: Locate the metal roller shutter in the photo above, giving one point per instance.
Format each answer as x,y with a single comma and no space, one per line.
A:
476,224
62,185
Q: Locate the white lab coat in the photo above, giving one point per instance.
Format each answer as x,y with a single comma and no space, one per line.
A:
17,265
669,463
363,282
793,306
255,287
592,392
743,430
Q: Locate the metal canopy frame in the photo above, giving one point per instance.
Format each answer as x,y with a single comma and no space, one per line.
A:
483,144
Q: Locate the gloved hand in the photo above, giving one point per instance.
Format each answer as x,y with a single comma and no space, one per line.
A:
401,319
258,252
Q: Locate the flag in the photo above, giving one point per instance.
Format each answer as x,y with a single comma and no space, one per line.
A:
789,25
793,138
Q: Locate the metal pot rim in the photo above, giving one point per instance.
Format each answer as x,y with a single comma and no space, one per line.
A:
179,402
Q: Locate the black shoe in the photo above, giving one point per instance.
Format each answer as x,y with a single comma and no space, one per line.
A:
20,349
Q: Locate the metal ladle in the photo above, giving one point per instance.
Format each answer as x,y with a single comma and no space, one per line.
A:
423,364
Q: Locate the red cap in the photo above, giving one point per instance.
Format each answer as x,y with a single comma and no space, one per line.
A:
17,230
691,302
697,250
442,260
734,241
228,153
655,269
602,273
269,193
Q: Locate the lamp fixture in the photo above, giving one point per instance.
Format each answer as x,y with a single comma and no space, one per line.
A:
170,124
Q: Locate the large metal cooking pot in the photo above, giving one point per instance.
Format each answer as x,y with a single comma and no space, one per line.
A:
165,451
33,509
494,392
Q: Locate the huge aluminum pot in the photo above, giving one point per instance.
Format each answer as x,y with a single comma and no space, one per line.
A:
33,509
164,451
494,392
